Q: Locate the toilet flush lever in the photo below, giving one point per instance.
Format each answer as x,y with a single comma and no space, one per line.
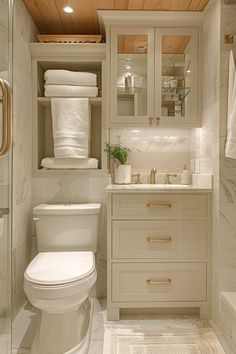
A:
35,219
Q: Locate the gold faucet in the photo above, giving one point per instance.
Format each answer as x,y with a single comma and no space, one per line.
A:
152,176
138,180
167,178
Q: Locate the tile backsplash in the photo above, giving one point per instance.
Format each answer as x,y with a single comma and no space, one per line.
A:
166,149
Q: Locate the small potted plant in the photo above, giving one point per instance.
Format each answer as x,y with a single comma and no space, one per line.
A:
119,155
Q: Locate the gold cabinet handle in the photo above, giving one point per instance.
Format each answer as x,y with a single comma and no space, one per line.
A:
6,119
159,205
158,240
158,282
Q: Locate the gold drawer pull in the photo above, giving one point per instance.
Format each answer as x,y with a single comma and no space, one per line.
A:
158,282
159,206
160,240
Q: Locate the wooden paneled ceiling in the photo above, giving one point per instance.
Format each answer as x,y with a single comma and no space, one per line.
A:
139,45
51,19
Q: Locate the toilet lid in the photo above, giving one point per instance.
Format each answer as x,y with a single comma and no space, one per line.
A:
54,268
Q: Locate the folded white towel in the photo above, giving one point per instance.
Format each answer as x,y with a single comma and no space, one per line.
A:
61,164
71,127
230,148
66,77
70,91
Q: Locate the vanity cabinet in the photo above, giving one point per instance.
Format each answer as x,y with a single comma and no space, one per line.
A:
159,250
155,76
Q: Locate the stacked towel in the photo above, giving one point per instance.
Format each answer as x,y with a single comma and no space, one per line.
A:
70,91
71,127
71,164
59,83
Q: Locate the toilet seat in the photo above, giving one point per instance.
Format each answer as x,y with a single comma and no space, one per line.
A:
60,268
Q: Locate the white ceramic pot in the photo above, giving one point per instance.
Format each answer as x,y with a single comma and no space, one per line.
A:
123,174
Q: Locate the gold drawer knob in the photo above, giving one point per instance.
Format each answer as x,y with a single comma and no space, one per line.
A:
159,205
158,240
158,282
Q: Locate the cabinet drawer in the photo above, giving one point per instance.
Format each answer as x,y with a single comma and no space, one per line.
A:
183,240
158,206
158,282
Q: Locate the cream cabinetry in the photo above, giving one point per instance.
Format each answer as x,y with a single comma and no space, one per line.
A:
159,250
155,76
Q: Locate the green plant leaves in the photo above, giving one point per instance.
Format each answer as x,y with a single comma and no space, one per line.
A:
118,152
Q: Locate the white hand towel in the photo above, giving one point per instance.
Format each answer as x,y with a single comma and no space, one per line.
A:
66,77
72,164
70,91
230,148
71,127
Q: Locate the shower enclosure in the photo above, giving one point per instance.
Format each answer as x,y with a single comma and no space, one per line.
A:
5,174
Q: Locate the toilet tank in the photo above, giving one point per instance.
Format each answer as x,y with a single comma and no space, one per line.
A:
67,227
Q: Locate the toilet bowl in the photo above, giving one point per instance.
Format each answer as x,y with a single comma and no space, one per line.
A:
59,283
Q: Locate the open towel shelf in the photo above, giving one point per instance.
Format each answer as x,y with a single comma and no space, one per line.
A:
79,58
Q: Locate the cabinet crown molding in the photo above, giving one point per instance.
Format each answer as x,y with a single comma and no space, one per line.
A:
149,18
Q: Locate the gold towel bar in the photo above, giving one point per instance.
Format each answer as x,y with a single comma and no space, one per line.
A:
6,112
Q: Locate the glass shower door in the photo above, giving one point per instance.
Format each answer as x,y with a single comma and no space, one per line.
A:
5,175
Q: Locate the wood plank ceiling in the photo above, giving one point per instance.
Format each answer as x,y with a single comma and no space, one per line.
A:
51,19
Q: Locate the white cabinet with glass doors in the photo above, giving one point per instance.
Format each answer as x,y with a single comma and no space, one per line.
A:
155,76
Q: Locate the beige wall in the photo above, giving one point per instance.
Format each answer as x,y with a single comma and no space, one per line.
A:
24,32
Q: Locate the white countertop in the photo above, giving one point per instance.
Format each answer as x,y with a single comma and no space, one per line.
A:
121,188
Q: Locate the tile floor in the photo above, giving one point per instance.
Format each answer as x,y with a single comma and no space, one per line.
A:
26,322
5,341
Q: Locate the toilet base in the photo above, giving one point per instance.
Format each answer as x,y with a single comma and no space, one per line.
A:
66,333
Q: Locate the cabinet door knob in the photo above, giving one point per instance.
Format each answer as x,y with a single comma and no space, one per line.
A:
151,121
158,120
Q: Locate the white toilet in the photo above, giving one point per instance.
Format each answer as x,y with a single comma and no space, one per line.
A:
58,281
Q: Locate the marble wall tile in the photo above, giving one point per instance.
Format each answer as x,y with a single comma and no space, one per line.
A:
24,32
167,149
3,35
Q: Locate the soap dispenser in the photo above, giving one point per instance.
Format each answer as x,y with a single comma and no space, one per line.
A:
185,176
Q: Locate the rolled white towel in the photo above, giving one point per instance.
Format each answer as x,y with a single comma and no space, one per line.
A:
66,77
69,163
70,91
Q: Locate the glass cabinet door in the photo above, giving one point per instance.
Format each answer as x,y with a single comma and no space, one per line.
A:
176,84
132,75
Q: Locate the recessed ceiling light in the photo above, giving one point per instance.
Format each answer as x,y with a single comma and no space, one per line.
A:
68,9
